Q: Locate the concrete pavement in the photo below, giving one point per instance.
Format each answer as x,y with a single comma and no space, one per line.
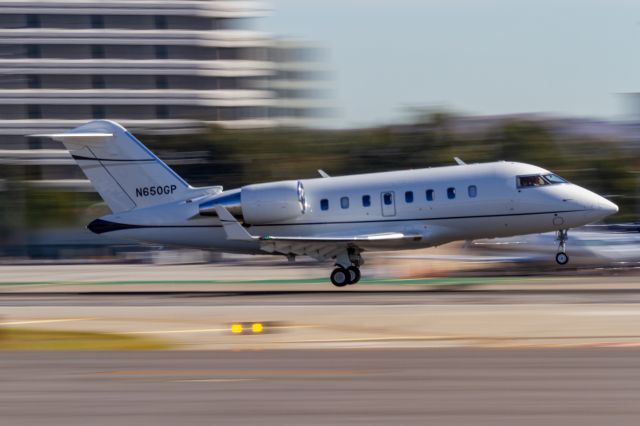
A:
586,387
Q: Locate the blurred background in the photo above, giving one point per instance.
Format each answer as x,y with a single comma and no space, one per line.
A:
236,92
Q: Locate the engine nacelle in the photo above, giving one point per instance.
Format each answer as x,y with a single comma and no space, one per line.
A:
272,202
261,203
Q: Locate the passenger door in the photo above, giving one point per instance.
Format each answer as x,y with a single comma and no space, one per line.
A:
388,202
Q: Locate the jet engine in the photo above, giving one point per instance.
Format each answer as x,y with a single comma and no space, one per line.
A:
261,203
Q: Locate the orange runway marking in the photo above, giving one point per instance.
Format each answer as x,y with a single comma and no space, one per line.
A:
234,372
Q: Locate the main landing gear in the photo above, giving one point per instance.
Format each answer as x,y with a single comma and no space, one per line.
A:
341,277
347,268
561,256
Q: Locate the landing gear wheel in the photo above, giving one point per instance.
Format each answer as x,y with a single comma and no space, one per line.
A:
562,258
340,277
354,274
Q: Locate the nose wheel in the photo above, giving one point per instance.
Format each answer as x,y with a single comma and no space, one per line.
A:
561,256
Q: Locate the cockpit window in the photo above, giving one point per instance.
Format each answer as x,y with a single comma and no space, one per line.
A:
530,181
538,180
551,178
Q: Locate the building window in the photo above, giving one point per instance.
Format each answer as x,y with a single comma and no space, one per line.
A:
408,197
473,191
228,83
97,111
97,82
33,21
97,21
451,193
366,201
324,204
160,22
162,52
429,194
162,82
33,51
162,111
344,202
34,112
33,81
97,51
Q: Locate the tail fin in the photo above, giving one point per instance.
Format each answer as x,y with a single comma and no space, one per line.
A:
124,172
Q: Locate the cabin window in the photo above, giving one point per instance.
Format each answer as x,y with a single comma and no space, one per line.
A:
366,201
408,197
324,204
472,191
451,193
429,194
344,202
387,198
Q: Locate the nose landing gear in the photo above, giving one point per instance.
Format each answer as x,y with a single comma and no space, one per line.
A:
561,256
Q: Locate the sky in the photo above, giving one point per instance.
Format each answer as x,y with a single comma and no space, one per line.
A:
570,57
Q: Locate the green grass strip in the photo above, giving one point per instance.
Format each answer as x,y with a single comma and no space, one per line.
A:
46,340
394,281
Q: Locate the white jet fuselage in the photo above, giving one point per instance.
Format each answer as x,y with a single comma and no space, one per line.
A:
433,206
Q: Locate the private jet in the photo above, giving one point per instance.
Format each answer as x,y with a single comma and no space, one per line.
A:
328,218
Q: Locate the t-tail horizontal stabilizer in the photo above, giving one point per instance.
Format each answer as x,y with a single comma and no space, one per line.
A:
76,137
126,174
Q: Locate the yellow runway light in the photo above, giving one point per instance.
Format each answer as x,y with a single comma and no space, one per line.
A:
258,327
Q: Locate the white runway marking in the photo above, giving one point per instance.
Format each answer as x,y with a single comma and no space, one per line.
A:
212,380
45,321
197,330
608,313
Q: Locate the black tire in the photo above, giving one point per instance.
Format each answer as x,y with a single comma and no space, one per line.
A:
562,258
340,277
354,274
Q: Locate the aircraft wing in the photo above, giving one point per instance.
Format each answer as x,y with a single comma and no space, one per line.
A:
320,247
386,236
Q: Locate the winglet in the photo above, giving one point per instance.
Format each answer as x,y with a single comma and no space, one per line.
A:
459,161
323,173
231,226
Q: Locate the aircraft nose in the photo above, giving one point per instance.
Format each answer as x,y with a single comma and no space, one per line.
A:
607,206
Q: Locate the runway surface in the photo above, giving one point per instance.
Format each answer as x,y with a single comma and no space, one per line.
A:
368,387
484,312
